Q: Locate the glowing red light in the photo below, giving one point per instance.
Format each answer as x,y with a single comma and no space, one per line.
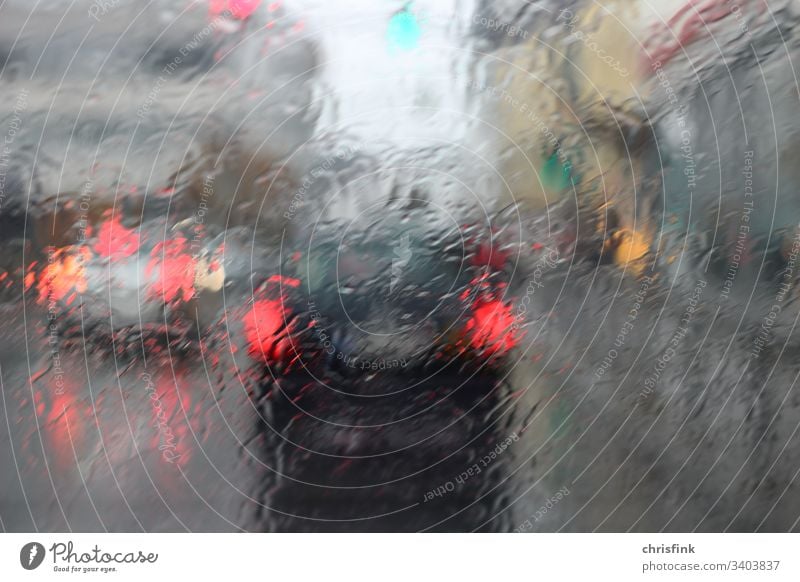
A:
265,322
263,329
176,270
239,9
116,241
289,281
490,329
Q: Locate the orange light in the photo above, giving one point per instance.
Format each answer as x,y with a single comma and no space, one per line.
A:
64,273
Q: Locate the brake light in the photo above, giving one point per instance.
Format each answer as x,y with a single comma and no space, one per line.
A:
175,268
116,241
490,329
266,327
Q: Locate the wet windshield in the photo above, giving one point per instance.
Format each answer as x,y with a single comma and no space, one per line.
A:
398,265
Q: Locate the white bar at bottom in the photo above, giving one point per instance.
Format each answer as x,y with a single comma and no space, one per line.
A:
405,557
